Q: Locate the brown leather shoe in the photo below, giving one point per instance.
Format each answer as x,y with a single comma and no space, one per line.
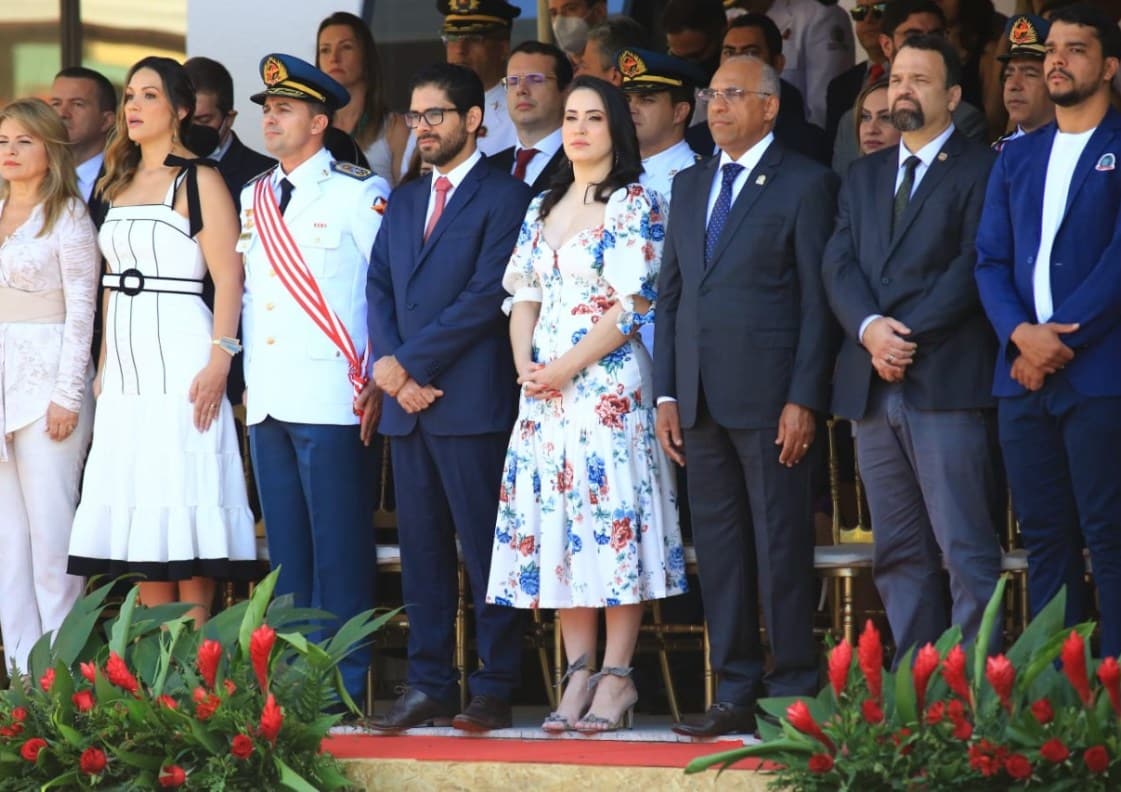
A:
413,708
722,718
484,713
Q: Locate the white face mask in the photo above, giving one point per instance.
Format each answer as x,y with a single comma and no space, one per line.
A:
571,33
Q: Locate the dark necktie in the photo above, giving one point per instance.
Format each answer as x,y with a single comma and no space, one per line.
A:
286,188
903,194
722,209
524,157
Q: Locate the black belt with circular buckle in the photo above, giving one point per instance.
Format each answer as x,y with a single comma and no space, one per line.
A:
132,282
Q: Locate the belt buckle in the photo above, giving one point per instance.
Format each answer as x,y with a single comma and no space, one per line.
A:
132,282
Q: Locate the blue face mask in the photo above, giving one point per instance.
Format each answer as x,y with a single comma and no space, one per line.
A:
571,33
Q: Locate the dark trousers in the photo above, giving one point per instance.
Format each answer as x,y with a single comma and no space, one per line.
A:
1061,450
447,489
930,481
317,485
753,531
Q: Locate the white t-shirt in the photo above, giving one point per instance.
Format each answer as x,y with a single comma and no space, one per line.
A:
1065,152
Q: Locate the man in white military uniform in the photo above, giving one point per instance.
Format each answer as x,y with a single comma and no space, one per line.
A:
818,46
308,226
660,91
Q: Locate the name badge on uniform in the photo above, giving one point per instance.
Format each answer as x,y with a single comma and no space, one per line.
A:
1107,163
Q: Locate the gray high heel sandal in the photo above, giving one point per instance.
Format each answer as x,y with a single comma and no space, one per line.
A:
554,721
595,724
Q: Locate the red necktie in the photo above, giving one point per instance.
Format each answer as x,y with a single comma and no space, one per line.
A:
443,184
524,157
875,72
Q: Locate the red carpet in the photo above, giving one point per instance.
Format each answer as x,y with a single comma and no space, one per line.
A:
569,752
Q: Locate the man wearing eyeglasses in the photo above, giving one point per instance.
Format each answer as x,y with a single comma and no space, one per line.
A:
444,363
741,345
536,82
845,87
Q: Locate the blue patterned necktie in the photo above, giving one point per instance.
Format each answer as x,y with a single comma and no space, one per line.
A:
722,209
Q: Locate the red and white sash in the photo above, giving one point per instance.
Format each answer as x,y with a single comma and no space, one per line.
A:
285,257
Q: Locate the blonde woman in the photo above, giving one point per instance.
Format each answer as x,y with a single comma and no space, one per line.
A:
164,494
48,284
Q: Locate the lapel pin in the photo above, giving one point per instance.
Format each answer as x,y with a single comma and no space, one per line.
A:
1107,163
761,179
943,156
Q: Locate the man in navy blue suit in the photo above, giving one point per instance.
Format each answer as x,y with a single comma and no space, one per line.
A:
1049,274
444,363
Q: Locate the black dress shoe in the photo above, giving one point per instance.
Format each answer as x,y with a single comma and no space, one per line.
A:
484,713
721,718
412,709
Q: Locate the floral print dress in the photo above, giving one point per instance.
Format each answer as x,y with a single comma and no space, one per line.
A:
587,513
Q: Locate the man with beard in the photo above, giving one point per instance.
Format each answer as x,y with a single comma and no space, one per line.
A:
1049,272
1025,91
914,369
444,362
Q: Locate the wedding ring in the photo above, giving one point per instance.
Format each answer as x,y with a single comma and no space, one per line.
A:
890,358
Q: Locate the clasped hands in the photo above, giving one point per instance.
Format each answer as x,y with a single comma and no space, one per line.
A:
391,377
891,352
544,380
1042,352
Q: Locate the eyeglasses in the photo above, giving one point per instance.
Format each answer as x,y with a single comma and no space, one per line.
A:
433,116
531,79
859,12
729,95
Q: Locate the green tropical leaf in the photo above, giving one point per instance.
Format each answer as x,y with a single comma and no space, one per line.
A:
295,640
119,634
1040,630
204,738
63,782
769,750
904,700
138,760
74,632
981,643
255,611
71,735
291,779
1047,651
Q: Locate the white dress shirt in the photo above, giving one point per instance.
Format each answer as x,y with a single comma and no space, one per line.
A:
659,169
87,175
547,148
1065,151
927,154
501,133
455,176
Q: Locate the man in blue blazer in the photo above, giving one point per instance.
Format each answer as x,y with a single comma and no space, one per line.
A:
444,362
1049,274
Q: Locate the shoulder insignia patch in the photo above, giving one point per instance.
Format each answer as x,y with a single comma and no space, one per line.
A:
379,205
352,170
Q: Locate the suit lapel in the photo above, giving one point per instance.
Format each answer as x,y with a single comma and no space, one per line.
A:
460,197
758,181
883,196
1102,142
414,225
541,183
691,250
944,161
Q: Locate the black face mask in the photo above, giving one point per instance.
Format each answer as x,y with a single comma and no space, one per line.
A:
201,140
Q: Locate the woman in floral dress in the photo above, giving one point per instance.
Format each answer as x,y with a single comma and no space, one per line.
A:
587,517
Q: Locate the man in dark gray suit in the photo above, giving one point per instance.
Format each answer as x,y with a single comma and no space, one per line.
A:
914,372
742,342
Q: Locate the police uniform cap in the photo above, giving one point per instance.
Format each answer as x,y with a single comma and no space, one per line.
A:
646,71
287,75
1027,36
464,17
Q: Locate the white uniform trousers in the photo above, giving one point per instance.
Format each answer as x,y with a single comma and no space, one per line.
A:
38,498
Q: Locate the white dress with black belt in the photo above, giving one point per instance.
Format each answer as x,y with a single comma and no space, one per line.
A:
159,497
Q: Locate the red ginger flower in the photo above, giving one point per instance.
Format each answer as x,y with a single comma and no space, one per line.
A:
1054,750
209,655
820,763
987,758
12,730
840,659
205,703
168,701
953,671
1073,657
935,713
19,714
1042,711
271,719
1096,759
926,662
83,700
872,712
1109,672
30,749
118,674
231,688
241,746
89,671
47,680
870,657
172,776
800,717
92,761
260,648
1001,675
1018,767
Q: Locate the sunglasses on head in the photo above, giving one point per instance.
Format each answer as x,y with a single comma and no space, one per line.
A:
858,13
